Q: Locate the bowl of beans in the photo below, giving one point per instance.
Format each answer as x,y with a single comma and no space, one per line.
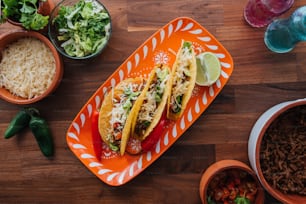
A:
277,151
30,67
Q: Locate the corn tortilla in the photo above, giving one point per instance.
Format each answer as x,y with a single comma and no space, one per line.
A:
192,70
105,114
143,99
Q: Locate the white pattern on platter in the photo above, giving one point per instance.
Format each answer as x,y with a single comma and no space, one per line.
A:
107,153
161,57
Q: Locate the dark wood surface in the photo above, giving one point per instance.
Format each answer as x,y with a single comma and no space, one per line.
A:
260,80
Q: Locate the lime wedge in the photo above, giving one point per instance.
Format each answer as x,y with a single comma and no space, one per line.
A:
208,69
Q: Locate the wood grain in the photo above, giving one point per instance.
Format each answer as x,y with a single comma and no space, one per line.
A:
260,80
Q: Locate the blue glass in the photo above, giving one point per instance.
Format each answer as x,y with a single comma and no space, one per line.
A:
282,35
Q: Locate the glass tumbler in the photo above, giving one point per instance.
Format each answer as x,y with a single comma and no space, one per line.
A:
282,35
259,13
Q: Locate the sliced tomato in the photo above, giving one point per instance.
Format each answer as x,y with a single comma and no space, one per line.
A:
226,193
230,185
154,136
237,181
95,135
133,146
252,187
118,136
233,193
218,194
251,197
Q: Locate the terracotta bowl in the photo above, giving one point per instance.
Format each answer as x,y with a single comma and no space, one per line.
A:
255,143
13,36
226,165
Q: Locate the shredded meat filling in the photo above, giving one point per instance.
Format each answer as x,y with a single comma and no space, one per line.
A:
283,152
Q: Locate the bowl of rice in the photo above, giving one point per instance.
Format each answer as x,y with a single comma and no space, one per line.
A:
30,67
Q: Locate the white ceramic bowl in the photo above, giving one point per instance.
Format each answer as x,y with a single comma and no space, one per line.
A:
254,143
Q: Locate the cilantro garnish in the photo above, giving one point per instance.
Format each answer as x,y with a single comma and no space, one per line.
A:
242,200
25,12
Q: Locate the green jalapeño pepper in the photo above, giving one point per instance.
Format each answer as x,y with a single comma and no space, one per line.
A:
18,123
42,134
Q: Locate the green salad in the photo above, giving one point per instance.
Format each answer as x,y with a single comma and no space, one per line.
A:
83,29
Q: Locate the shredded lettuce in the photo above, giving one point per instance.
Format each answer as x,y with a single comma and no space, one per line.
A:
83,28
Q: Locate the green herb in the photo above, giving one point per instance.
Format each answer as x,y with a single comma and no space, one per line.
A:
187,73
127,105
162,74
113,147
242,200
176,105
25,12
83,28
146,123
158,97
131,96
187,44
10,9
210,201
128,91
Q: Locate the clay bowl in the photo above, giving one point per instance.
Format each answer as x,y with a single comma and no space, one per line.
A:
259,138
10,37
225,166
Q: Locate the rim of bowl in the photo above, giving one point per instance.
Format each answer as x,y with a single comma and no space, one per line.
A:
288,198
223,165
61,50
17,34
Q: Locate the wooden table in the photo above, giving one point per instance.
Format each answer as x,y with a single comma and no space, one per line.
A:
260,80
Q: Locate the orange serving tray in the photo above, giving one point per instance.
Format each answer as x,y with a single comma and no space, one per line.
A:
161,47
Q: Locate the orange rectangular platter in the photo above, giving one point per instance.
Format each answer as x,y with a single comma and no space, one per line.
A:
161,47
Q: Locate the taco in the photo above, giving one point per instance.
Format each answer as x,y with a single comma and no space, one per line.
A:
183,78
116,113
151,104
